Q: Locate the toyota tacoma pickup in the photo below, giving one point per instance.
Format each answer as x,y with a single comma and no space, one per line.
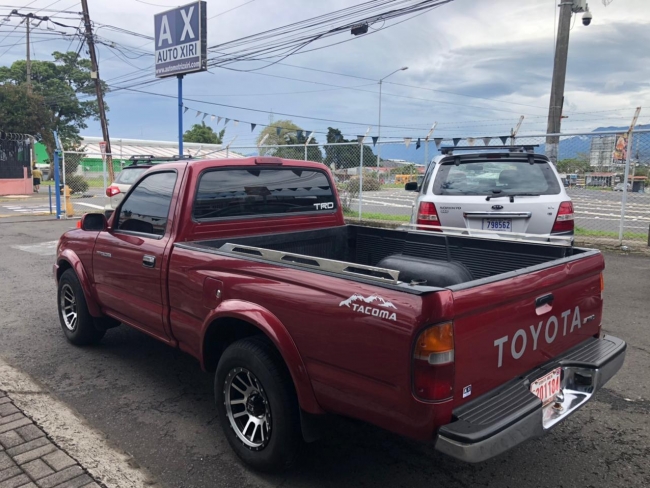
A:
475,344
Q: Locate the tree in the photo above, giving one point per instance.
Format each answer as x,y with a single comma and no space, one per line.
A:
580,164
204,134
346,156
285,132
25,113
60,83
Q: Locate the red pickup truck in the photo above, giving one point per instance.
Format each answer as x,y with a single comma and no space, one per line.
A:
476,344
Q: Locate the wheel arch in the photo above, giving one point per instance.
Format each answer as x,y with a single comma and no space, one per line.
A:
237,319
69,260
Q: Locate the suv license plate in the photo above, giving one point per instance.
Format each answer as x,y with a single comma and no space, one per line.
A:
548,386
497,224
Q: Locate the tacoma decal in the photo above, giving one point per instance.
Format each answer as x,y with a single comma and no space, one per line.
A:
365,307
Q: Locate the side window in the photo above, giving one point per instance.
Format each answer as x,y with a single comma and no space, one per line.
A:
146,209
427,178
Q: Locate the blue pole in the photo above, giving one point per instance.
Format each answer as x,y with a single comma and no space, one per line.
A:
57,187
49,191
180,115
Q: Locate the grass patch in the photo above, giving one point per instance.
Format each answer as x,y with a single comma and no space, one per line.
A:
376,216
94,183
579,231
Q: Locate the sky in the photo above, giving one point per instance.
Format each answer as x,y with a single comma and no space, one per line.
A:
474,66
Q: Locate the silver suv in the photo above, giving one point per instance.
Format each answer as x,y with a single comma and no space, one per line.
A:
508,191
129,175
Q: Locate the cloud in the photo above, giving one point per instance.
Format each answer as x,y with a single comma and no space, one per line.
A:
473,66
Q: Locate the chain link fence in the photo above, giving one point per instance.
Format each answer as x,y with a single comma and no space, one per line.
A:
592,167
84,178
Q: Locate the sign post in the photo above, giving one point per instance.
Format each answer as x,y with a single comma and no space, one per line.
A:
181,44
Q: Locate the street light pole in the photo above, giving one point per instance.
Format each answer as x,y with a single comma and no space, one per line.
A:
381,81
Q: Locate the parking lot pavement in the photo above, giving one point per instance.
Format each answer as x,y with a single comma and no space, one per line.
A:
39,204
155,403
594,209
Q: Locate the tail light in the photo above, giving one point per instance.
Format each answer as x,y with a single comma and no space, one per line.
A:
433,363
602,286
111,191
564,221
427,216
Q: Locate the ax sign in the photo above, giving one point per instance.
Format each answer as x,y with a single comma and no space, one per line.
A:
181,40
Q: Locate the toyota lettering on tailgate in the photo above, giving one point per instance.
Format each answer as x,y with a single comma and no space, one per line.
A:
520,339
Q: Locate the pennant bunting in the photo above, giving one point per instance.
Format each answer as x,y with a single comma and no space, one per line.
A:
471,141
278,130
438,141
486,140
186,109
198,113
360,139
253,127
374,140
407,141
226,122
236,122
219,120
456,141
212,117
309,133
417,144
504,139
204,116
299,134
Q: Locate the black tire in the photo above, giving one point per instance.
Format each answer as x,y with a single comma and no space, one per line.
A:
82,331
262,360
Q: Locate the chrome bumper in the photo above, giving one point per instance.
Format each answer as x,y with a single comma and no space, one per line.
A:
500,420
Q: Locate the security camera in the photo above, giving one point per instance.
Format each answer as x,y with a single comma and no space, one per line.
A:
586,18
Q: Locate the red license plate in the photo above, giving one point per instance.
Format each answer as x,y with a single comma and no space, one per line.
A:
548,386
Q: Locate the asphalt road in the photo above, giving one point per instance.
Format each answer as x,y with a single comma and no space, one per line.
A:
594,209
155,403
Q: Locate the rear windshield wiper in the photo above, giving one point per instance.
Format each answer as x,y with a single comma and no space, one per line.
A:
512,196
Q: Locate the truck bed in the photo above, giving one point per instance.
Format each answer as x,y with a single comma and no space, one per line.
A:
368,248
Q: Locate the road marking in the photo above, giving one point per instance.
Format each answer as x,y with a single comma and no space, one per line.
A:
30,209
42,248
67,429
89,205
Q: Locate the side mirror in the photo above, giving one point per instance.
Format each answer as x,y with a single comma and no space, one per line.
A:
411,186
93,222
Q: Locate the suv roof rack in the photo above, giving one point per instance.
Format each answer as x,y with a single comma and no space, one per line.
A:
149,158
516,148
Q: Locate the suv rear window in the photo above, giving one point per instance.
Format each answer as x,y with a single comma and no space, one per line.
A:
253,192
489,177
129,175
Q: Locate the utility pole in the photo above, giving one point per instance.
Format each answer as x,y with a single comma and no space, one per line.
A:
98,88
567,8
28,58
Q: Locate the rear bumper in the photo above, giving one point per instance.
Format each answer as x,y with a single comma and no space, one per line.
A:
502,419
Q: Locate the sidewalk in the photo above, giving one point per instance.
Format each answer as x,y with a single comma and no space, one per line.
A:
29,459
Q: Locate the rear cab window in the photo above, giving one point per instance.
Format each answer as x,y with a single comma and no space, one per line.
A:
484,176
254,192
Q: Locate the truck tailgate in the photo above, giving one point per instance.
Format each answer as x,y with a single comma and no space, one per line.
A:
506,328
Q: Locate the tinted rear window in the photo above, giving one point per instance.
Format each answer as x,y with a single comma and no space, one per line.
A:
128,176
253,192
490,177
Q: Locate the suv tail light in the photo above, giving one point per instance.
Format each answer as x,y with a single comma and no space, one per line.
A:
111,191
564,221
433,363
428,216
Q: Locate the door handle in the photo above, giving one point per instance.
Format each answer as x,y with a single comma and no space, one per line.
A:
149,261
544,304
